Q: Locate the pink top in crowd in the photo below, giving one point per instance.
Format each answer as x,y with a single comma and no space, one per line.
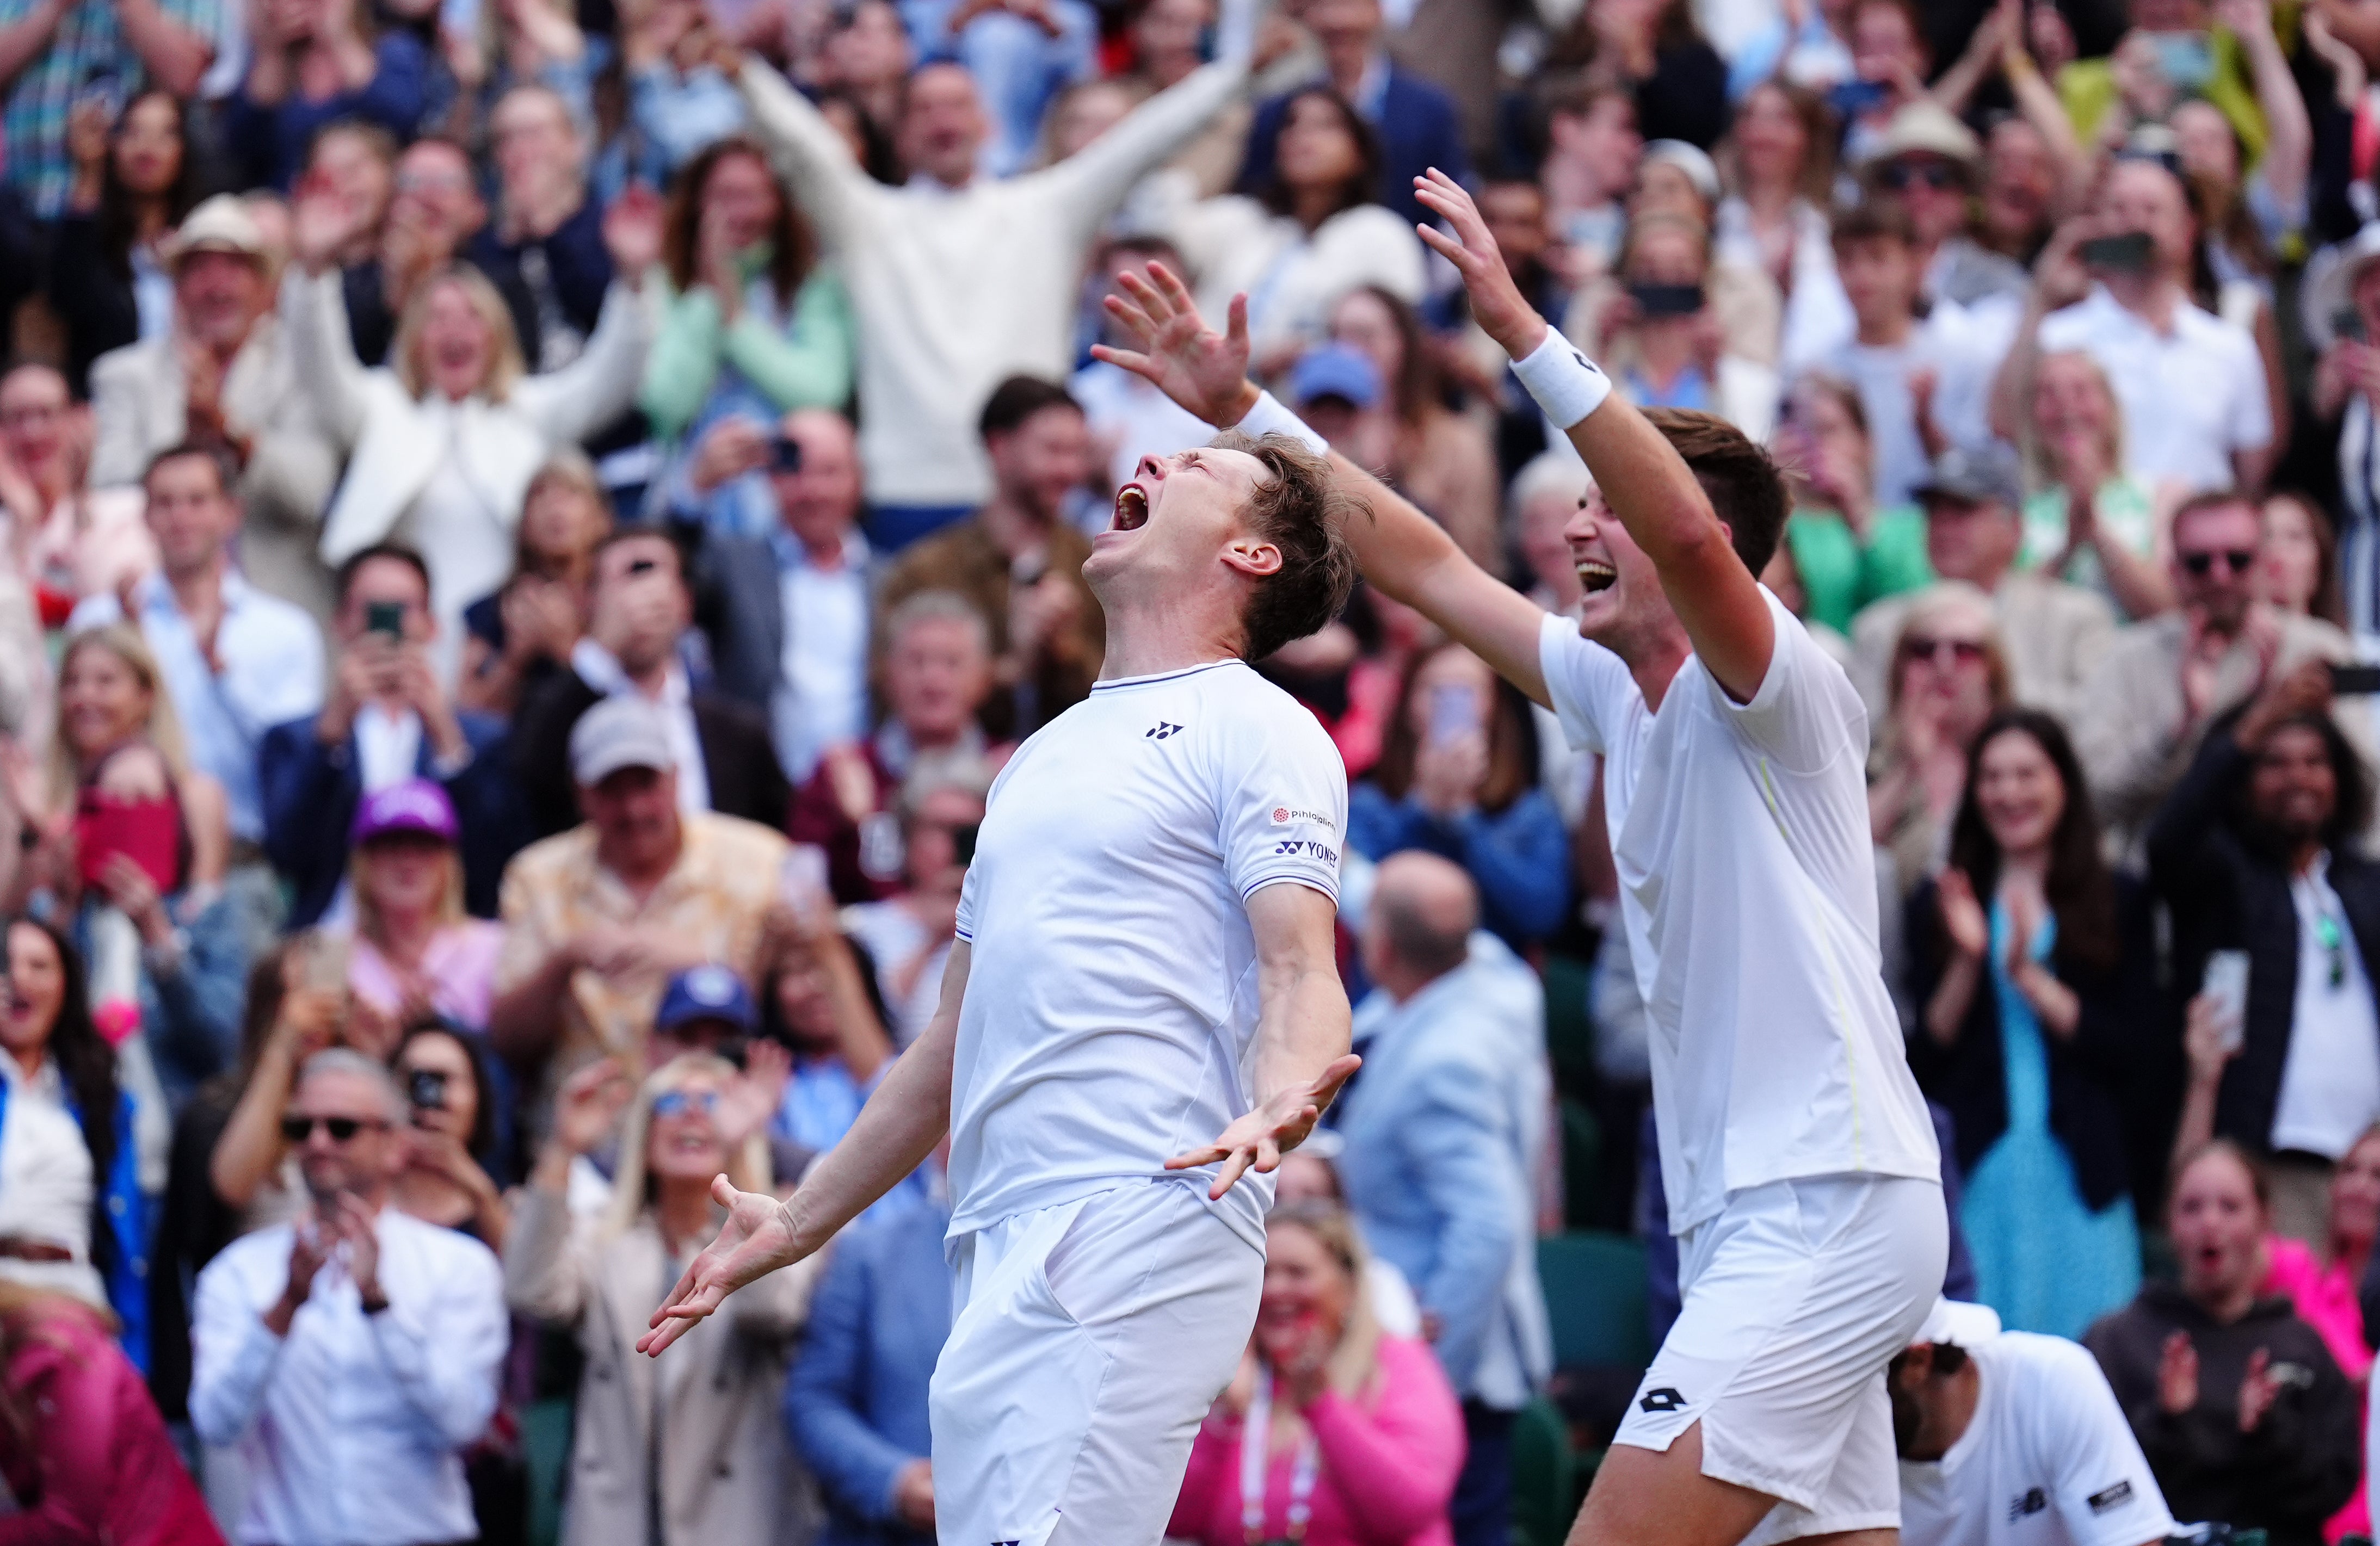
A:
460,965
1388,1468
2325,1299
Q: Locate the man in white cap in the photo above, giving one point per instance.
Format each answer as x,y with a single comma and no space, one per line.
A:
1927,161
2009,1438
223,375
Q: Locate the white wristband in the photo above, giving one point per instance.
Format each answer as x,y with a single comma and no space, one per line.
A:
1565,383
1268,418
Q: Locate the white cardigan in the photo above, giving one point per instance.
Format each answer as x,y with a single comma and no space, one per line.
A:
397,444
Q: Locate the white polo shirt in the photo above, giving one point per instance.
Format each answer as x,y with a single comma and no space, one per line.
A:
2330,1077
1111,1009
2190,397
2048,1459
1747,882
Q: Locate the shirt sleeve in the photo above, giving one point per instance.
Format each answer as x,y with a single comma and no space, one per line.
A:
2252,423
1281,805
1587,683
1807,713
2106,1495
967,906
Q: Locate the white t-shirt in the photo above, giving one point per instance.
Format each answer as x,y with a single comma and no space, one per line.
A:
1111,1009
2330,1080
2190,397
2048,1460
1747,881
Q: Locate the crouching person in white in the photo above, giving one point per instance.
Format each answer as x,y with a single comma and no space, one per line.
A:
1141,1012
2009,1438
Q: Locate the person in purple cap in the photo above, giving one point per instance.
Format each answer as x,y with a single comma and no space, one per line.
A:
415,951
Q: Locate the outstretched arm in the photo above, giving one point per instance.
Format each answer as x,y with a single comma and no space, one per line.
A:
1643,479
896,1129
1403,551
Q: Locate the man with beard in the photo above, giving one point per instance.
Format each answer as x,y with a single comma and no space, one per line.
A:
2007,1437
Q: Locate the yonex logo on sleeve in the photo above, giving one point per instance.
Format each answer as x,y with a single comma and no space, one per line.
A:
1161,732
2113,1497
1662,1400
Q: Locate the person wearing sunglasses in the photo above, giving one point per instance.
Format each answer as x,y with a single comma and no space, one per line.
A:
1949,673
1927,162
2257,849
351,1354
682,1452
2167,677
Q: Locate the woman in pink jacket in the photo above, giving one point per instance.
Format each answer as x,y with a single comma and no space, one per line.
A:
1334,1433
2323,1281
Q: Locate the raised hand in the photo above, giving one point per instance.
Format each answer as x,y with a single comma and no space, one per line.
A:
1257,1141
589,1103
323,223
1204,371
1963,915
2178,1374
756,1240
632,233
1496,302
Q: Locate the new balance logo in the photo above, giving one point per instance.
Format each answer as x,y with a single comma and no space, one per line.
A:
2033,1501
1160,733
1662,1400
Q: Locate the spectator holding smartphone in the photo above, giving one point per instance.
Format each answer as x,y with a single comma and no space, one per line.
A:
2346,392
447,1079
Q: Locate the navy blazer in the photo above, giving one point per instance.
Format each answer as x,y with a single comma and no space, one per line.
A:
857,1400
1418,126
310,795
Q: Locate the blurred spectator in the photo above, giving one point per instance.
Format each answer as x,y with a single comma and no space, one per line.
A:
134,181
87,1456
73,1214
223,375
1457,777
2323,1280
2241,1411
1986,1421
1927,162
681,77
754,328
1129,417
856,1401
1311,227
131,849
2345,389
236,660
599,918
694,1456
384,720
864,64
2092,522
2256,849
351,1355
937,673
55,53
1338,391
1004,258
68,541
2297,570
1443,1141
792,630
547,236
503,49
2163,681
1415,122
822,1005
1592,146
415,952
523,633
447,1077
1020,561
2055,633
251,1166
1949,676
1806,50
443,441
429,208
357,160
2029,1030
640,617
2191,385
1663,336
1440,460
1655,50
1169,41
2254,200
1346,1436
1847,550
1774,219
2027,181
313,63
908,934
1890,64
1023,64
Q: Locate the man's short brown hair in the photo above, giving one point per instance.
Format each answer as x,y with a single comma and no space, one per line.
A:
1740,480
1300,510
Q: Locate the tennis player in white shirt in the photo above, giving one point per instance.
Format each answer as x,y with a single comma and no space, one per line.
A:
1142,1012
1802,1179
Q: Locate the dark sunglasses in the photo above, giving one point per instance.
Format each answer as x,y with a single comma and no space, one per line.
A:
1939,176
343,1129
2238,559
1961,651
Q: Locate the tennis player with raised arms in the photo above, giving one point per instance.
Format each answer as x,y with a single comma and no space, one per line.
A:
1801,1167
1141,1013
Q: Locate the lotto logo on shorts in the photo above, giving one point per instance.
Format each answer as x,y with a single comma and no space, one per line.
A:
1662,1400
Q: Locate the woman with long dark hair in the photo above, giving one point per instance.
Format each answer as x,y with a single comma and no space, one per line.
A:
135,179
752,327
449,1079
2024,1030
72,1216
1440,459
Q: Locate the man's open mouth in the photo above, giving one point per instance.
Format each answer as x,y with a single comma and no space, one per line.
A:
1593,576
1131,509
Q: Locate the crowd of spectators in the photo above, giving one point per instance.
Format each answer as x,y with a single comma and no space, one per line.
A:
528,530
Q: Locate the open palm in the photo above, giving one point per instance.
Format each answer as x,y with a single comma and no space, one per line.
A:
755,1240
1205,371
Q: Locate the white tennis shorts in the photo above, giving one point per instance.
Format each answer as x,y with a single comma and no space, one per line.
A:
1795,1298
1089,1341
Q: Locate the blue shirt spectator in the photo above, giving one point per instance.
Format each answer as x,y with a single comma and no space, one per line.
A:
270,124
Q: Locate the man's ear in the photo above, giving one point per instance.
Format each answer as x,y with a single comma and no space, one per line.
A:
1253,556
